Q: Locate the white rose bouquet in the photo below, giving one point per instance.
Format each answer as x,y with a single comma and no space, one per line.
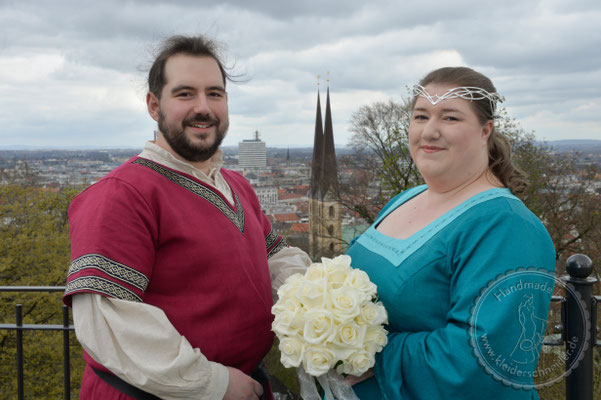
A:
328,319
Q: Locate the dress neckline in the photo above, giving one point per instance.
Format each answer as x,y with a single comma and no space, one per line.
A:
458,209
397,250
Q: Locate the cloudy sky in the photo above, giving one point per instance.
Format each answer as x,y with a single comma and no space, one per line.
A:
72,73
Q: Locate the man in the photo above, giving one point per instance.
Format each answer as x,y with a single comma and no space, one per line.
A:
173,263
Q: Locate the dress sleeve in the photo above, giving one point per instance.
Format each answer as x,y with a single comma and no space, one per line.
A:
113,234
110,329
442,364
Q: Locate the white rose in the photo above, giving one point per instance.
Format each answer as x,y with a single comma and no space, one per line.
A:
318,326
373,314
287,322
290,286
312,293
345,303
337,270
341,260
289,303
350,335
357,363
316,271
318,360
375,339
360,280
292,350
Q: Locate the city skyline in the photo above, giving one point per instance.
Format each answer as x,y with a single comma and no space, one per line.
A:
72,75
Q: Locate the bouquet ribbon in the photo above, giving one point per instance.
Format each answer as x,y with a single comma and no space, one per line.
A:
335,387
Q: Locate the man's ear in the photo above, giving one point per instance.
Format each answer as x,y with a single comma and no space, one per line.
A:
153,106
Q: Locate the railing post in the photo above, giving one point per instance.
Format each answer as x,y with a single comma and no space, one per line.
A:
66,355
19,326
580,335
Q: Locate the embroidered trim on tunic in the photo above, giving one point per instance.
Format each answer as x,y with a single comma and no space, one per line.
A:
200,190
101,285
111,268
277,248
271,238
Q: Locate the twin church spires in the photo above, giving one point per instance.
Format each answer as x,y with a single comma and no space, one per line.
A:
324,174
325,217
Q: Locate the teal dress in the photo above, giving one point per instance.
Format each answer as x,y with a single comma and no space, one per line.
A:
467,299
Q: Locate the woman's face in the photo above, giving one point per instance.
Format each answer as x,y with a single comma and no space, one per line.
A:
447,142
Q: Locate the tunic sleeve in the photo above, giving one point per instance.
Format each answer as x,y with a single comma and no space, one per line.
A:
113,239
442,364
110,331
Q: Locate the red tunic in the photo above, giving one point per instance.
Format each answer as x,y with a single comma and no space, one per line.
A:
151,234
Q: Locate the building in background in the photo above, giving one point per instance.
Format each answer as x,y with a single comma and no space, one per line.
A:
252,153
325,211
267,195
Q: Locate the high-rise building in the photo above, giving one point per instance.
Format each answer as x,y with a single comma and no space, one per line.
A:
252,153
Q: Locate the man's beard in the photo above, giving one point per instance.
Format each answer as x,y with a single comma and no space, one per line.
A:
179,142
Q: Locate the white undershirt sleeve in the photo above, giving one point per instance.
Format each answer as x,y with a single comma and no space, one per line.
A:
284,263
139,344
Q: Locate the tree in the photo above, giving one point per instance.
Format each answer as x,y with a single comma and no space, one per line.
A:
34,251
558,193
361,193
22,175
381,141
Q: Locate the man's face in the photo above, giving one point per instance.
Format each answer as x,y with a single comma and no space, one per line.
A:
192,113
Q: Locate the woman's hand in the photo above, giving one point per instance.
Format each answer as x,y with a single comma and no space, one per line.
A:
353,380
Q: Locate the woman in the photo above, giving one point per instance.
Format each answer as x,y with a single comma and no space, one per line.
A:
446,254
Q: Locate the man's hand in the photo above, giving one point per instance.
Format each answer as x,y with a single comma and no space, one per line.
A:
242,386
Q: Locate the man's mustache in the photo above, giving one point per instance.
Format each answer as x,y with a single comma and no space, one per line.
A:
204,118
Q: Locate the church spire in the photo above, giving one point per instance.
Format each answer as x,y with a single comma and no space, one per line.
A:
325,213
316,164
329,170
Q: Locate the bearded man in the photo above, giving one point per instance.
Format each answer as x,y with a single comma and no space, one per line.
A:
174,266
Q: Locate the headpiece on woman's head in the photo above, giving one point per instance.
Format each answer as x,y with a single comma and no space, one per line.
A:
470,93
477,88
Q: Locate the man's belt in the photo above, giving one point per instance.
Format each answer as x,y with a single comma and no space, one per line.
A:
259,374
124,387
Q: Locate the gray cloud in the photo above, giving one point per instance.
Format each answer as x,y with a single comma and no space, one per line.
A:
68,67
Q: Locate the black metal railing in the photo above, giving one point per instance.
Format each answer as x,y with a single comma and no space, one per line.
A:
19,327
578,329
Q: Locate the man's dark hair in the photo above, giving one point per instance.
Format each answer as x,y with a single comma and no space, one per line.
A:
189,45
